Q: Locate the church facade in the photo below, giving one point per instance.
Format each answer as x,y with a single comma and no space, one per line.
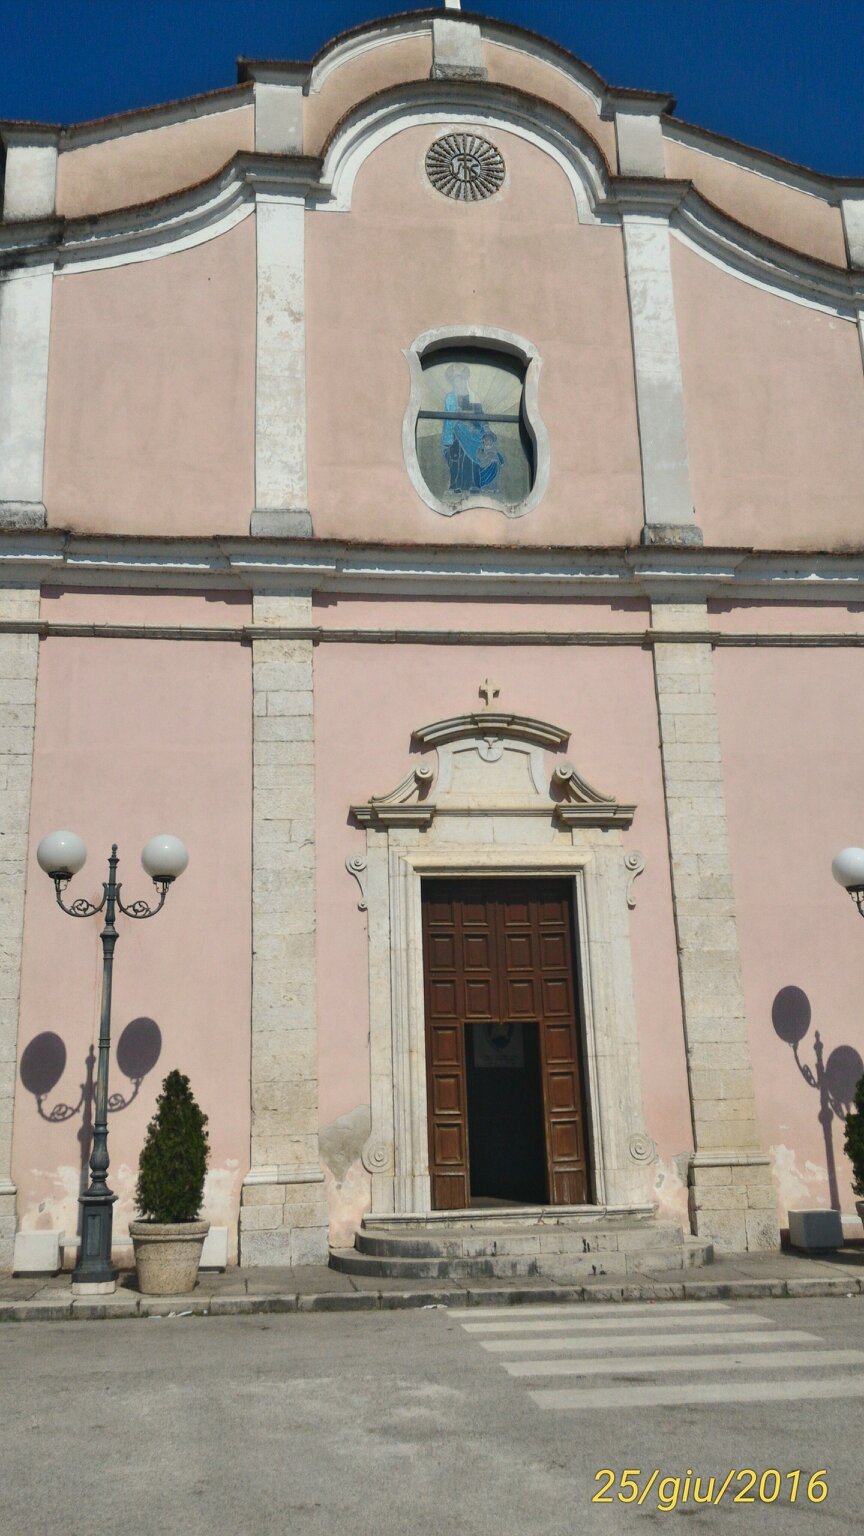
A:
432,487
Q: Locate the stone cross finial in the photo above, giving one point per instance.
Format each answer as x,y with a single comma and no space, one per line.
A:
488,691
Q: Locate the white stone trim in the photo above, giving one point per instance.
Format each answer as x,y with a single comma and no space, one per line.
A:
283,1215
346,49
825,189
471,107
280,357
278,118
397,1153
25,327
329,565
639,138
667,495
493,340
201,213
121,125
852,210
491,812
30,181
457,49
732,1201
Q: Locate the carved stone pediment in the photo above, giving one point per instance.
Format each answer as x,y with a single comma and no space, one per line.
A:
492,761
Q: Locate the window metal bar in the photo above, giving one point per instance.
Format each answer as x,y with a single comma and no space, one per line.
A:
463,416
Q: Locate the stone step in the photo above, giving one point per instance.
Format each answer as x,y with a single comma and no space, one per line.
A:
469,1242
572,1266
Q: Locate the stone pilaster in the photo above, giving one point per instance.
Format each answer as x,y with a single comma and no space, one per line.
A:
732,1199
281,505
18,663
25,324
283,1218
666,492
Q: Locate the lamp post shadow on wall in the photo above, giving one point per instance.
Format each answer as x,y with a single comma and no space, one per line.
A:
62,855
43,1063
833,1079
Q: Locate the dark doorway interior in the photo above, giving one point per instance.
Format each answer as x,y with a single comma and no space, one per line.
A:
507,1158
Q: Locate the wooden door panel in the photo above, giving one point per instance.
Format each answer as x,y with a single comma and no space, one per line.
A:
557,999
460,963
495,951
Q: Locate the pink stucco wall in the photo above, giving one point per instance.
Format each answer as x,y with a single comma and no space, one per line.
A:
134,738
151,394
774,399
792,752
526,614
794,218
135,167
356,79
373,697
406,260
790,618
511,66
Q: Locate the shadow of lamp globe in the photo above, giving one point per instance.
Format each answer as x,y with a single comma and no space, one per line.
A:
62,855
848,870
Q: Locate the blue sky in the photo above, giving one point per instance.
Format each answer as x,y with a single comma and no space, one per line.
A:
786,75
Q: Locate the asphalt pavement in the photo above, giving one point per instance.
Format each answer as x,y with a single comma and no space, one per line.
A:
469,1420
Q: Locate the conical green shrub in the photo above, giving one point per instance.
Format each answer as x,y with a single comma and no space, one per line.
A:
854,1142
174,1157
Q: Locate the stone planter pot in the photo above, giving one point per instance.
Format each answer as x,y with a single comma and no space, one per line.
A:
167,1256
859,1206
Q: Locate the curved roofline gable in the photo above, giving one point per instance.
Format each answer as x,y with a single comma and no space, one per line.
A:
378,118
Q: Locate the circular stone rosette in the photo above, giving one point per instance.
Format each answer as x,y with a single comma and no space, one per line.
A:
464,167
642,1148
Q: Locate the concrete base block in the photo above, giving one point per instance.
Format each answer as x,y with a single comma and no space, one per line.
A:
37,1253
22,514
214,1254
672,533
281,523
819,1230
94,1287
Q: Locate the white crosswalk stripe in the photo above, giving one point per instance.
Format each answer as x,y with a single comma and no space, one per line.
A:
608,1324
616,1356
594,1345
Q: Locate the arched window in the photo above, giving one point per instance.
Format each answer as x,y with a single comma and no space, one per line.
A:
470,438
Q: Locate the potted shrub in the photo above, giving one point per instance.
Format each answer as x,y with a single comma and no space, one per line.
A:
168,1238
854,1145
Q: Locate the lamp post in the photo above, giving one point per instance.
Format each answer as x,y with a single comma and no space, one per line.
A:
848,870
62,855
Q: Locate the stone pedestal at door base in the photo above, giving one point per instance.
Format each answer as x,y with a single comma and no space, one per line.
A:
733,1204
284,1224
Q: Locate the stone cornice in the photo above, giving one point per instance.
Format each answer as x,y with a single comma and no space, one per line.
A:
55,558
492,722
206,210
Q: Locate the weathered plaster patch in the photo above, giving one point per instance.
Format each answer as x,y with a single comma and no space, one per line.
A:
670,1189
348,1185
221,1196
795,1188
342,1141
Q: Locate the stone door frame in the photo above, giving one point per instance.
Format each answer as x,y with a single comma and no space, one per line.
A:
397,1152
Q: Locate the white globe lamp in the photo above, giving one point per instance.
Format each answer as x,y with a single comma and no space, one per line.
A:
164,857
61,854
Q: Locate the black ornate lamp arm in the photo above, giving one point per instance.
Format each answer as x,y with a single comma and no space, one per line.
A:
80,907
142,908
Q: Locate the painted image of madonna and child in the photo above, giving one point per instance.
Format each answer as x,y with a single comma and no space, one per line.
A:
470,439
470,448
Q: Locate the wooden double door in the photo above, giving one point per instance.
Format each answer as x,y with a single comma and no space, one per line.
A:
504,1082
